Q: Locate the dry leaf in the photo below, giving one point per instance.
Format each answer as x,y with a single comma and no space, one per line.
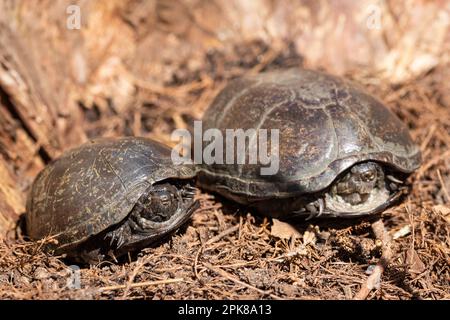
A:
441,209
416,265
283,230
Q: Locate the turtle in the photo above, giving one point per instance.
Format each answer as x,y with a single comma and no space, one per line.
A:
340,151
108,197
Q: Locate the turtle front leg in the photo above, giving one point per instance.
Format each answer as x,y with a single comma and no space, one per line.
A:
115,238
314,209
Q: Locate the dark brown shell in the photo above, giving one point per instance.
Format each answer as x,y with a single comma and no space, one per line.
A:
95,186
326,125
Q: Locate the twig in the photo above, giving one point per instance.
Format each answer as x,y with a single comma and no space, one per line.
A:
165,90
443,184
229,276
428,137
197,256
133,275
211,241
240,228
374,280
222,234
141,284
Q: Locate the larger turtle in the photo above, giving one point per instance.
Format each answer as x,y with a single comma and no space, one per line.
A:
109,197
341,152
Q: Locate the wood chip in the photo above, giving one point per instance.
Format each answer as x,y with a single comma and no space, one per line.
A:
309,237
404,231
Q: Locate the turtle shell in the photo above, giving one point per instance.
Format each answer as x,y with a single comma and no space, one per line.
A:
95,186
325,124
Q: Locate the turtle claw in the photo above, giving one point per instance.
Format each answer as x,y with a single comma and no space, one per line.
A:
120,241
109,237
321,206
315,208
115,238
189,191
111,241
311,216
298,213
393,179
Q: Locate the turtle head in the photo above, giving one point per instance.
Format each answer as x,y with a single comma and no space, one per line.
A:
162,209
359,182
161,203
365,188
360,190
165,206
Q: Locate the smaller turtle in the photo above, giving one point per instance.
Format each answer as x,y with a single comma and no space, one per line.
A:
341,152
109,197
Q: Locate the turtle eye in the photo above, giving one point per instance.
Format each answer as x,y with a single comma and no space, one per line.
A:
368,176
